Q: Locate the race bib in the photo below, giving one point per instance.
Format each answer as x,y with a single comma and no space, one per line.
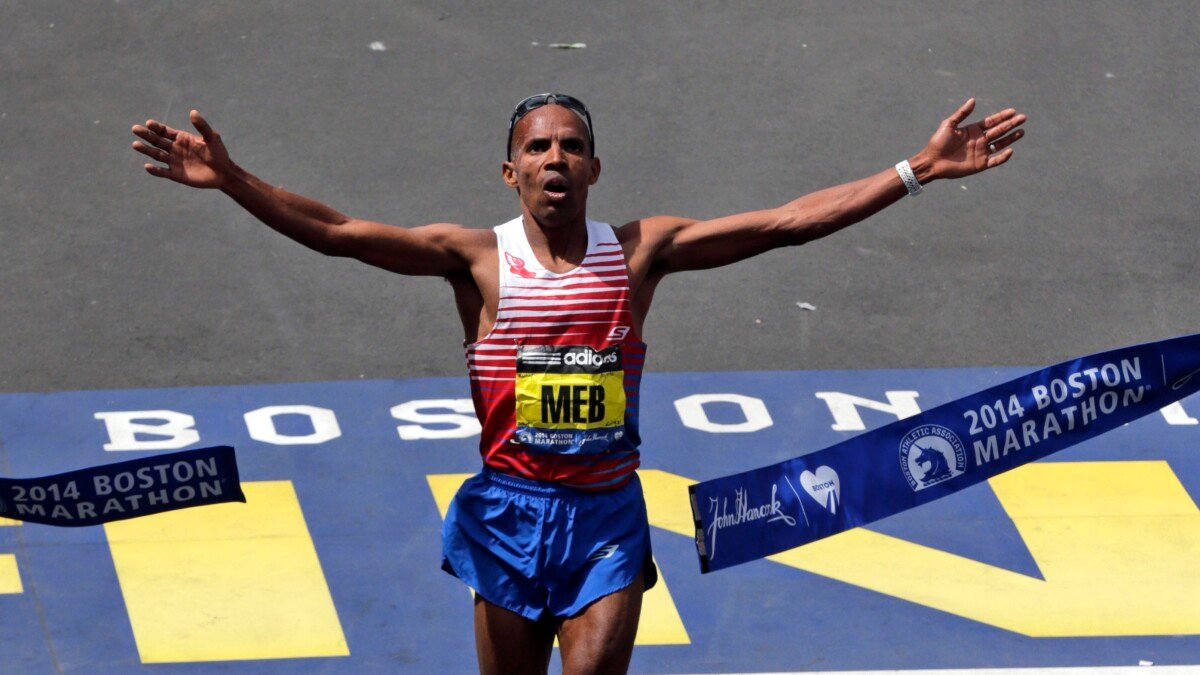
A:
570,400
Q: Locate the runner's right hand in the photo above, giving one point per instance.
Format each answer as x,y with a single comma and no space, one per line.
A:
197,161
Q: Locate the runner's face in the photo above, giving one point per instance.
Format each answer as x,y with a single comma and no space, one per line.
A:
552,167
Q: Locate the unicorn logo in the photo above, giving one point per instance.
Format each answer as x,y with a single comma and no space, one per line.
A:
933,463
931,454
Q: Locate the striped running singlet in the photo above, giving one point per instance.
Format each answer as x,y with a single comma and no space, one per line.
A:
555,382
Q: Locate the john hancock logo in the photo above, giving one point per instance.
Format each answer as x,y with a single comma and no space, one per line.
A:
742,513
931,454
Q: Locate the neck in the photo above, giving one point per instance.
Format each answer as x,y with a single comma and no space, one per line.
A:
558,247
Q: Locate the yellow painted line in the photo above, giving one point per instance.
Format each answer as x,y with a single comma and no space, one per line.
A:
443,486
10,577
660,622
226,581
667,501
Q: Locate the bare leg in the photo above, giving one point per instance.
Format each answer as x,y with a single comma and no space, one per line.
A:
507,642
600,639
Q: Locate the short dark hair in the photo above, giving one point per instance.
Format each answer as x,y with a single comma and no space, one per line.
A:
531,103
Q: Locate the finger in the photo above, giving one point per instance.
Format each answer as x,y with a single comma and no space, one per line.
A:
148,135
153,153
998,159
162,129
1003,128
1000,144
161,172
962,112
996,118
202,126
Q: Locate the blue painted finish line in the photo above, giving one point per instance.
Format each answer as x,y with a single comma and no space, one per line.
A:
359,454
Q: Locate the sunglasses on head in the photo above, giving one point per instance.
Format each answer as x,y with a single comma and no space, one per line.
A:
534,102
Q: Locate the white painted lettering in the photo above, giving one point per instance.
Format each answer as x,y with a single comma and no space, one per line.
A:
1175,415
844,407
127,430
754,412
261,425
462,422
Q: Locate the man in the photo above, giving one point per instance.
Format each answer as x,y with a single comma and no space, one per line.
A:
552,535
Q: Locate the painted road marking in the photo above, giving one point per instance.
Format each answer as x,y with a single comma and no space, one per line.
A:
10,577
226,581
988,556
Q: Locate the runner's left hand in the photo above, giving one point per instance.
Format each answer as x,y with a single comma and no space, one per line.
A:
955,151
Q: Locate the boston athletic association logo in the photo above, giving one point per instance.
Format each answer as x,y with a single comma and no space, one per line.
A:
931,454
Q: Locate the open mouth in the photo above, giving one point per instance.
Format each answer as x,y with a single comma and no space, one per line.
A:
556,188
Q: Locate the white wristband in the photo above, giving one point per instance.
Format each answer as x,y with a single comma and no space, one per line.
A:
909,178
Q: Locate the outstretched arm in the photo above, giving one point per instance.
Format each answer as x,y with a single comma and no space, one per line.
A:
203,162
952,152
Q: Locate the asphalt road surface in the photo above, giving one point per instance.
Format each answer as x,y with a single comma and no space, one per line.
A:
110,278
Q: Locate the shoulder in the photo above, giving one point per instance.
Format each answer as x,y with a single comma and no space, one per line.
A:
644,240
651,232
460,237
458,232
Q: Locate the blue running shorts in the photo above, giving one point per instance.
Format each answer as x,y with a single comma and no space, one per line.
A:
541,549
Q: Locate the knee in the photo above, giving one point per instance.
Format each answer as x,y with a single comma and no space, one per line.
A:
601,656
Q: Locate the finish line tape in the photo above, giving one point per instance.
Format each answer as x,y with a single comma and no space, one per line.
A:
139,487
916,460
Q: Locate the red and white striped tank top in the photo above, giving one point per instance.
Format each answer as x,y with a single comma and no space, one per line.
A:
555,383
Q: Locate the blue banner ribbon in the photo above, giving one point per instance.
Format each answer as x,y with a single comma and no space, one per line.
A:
139,487
916,460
